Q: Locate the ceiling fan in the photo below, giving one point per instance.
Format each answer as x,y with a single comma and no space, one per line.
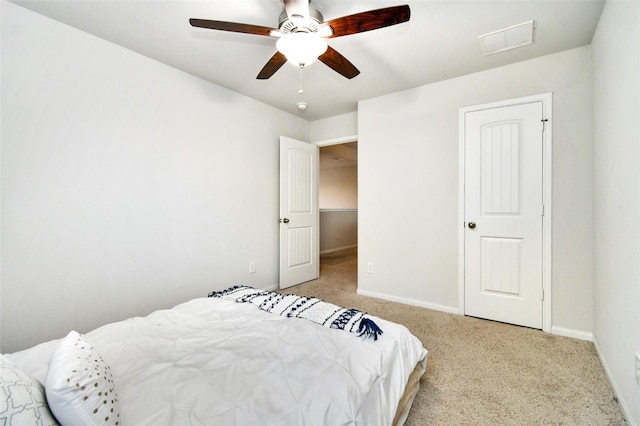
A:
302,34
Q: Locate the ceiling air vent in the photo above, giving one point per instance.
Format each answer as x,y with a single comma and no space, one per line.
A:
506,38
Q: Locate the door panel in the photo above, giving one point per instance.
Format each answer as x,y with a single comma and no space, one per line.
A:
500,266
299,216
503,214
500,168
300,246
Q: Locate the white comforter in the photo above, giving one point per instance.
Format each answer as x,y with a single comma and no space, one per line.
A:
211,361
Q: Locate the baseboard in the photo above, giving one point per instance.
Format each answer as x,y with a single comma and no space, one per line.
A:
621,401
576,334
338,249
407,301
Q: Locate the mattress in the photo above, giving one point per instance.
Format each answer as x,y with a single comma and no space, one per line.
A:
212,361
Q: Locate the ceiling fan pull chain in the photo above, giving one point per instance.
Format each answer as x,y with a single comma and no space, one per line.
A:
301,105
301,90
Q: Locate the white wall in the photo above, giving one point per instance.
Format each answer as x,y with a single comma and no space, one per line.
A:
338,188
127,186
408,183
616,87
338,201
338,230
336,127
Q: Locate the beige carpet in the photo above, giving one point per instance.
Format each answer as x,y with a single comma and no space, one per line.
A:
482,372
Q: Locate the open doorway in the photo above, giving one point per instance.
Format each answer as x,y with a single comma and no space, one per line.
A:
338,203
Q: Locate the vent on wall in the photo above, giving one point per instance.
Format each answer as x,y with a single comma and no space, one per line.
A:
506,38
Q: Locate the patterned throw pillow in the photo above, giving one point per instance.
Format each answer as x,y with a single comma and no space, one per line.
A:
79,386
22,400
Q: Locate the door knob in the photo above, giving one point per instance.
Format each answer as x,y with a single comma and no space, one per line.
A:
472,225
285,220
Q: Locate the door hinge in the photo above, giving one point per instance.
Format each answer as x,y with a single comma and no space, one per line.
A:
543,294
544,120
543,210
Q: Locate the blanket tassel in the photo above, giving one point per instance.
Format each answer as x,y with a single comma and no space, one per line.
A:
368,328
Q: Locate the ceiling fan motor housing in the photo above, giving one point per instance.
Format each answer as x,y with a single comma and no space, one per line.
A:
297,24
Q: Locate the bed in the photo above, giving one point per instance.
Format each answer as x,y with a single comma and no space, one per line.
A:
214,361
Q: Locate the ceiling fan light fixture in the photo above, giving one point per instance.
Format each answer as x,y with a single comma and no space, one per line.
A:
301,48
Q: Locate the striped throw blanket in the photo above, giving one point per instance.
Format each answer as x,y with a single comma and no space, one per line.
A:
310,308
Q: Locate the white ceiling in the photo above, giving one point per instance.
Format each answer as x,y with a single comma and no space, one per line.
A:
438,43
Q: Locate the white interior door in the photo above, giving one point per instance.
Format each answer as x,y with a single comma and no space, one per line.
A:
299,215
503,214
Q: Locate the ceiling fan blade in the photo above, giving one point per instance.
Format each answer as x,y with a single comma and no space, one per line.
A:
338,63
297,7
232,27
367,21
272,66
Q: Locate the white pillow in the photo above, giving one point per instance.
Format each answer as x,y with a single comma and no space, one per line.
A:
79,386
22,399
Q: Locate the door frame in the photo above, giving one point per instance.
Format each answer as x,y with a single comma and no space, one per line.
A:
320,143
547,134
336,141
328,142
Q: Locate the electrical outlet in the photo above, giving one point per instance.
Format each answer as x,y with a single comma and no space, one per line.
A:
637,368
252,267
369,267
